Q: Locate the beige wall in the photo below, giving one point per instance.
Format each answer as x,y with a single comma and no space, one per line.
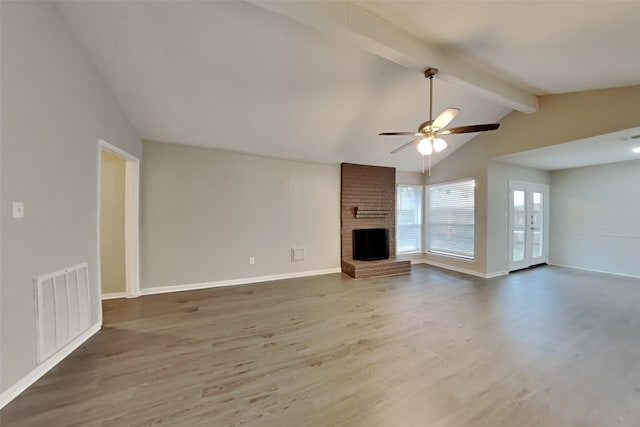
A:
205,212
55,107
564,118
595,218
112,252
561,118
409,178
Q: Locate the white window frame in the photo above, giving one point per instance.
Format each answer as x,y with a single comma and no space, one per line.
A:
420,217
427,227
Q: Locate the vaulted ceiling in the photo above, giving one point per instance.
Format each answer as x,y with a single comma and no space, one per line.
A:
318,81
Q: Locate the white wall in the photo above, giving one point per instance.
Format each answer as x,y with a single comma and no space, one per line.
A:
499,175
205,212
55,106
409,178
595,218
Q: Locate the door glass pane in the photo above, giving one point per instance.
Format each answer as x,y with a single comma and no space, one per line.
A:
519,226
536,224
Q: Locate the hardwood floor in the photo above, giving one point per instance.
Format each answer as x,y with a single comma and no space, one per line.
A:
543,347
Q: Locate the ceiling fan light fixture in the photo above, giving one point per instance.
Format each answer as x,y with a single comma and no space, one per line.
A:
432,128
439,144
424,147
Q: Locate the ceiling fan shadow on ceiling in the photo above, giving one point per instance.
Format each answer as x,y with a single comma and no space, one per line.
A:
429,132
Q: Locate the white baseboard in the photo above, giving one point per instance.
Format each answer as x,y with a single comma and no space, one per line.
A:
41,369
235,282
113,295
596,271
496,274
459,269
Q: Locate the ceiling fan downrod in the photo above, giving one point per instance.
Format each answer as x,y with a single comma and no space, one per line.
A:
430,74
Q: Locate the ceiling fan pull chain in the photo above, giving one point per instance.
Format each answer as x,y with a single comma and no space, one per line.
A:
429,166
423,164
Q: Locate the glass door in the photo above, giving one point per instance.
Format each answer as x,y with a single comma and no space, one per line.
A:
528,234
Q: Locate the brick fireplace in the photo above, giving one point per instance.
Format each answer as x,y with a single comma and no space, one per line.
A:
368,200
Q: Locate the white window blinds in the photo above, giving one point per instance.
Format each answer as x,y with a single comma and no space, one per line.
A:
450,209
408,218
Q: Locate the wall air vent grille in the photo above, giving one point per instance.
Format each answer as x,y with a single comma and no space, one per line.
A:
63,308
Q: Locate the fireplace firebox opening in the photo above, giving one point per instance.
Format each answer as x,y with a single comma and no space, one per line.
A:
370,244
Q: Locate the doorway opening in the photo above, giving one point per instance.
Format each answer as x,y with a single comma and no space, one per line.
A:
118,218
528,224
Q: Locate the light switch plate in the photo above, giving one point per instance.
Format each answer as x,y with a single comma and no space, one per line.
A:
18,210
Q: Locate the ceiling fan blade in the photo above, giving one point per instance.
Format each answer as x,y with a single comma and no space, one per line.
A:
407,145
470,128
445,118
398,133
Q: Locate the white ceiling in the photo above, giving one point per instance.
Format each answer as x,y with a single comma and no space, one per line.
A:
545,47
609,148
236,76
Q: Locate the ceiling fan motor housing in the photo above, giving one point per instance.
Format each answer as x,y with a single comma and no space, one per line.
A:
425,126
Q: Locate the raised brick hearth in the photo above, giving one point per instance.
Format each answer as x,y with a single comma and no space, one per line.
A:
368,200
367,269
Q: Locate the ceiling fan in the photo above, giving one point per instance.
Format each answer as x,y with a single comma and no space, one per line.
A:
428,132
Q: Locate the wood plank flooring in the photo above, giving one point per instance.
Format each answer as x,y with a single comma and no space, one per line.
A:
543,347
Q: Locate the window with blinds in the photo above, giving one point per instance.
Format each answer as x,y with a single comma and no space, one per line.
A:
450,218
408,218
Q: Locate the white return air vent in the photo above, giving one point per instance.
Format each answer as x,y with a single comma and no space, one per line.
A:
62,308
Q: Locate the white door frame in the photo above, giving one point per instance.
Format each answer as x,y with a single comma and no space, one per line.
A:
131,218
529,186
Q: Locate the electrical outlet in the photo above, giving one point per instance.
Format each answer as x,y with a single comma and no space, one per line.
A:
252,260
